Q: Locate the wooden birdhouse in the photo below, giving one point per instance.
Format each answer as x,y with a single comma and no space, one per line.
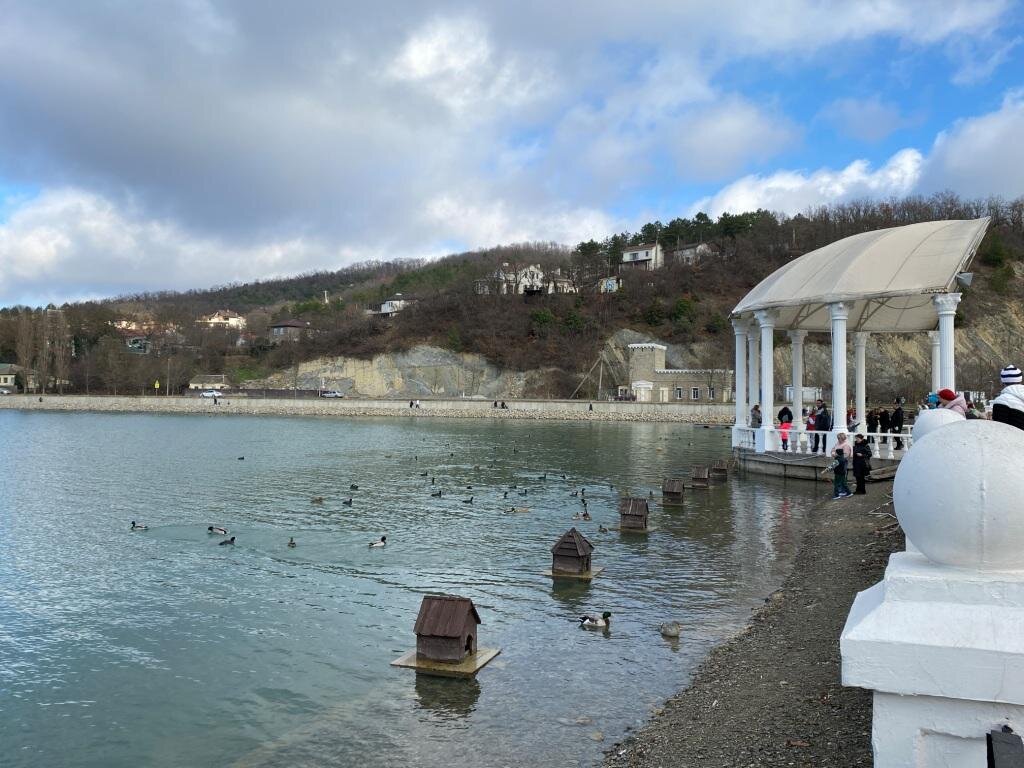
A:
633,511
446,628
672,489
571,553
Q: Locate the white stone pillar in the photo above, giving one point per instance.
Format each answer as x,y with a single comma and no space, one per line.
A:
839,313
766,320
860,345
938,641
753,365
945,306
933,337
739,327
797,344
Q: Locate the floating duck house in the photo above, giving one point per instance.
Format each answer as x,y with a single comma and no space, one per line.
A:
446,639
720,469
633,512
699,477
672,489
571,553
446,628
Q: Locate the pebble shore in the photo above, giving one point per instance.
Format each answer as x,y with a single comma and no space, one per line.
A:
554,410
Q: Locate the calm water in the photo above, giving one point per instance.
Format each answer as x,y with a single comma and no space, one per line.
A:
162,648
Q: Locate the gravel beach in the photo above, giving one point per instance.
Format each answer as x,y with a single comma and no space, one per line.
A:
772,696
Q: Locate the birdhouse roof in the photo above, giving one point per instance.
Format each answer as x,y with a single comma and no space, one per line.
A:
572,544
672,486
444,615
633,506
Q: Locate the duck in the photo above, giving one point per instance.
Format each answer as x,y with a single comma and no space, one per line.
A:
563,477
217,529
347,502
543,477
230,541
317,500
382,543
436,494
523,492
468,501
291,541
139,526
432,480
595,622
241,458
424,474
577,516
585,515
602,529
505,495
575,493
670,629
353,487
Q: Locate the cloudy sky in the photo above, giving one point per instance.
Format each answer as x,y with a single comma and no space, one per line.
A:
153,145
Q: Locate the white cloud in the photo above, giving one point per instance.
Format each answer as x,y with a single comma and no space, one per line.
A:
982,155
720,139
869,120
978,65
793,191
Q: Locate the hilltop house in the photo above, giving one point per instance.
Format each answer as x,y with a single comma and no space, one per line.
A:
528,281
647,256
223,318
693,254
392,306
651,382
9,373
288,330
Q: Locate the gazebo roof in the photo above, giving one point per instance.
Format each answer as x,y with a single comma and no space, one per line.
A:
885,277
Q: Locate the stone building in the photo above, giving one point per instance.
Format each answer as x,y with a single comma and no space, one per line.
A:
650,381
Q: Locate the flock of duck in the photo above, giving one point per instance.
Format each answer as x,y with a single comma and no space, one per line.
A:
587,621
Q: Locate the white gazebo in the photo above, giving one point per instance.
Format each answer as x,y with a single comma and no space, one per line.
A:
898,280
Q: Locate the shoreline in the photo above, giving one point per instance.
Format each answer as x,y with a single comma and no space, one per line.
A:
772,695
547,410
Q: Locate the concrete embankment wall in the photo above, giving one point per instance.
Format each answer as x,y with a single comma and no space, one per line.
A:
453,408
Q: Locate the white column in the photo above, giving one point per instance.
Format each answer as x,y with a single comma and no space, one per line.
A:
739,327
797,344
933,336
839,313
753,365
860,344
945,306
766,320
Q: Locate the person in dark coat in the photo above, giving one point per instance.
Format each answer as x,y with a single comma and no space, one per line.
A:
785,415
822,423
884,422
896,425
861,462
872,419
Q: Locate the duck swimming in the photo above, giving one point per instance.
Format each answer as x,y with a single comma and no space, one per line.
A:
602,529
217,529
468,501
317,500
353,487
226,541
291,541
594,622
139,526
436,494
670,629
382,543
347,502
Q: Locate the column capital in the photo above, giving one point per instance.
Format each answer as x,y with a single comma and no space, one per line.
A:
945,303
839,311
860,338
766,317
797,337
740,326
933,336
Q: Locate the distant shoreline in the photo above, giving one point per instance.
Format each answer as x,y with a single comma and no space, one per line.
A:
548,410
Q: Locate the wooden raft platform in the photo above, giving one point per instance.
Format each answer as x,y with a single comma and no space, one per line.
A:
468,667
585,576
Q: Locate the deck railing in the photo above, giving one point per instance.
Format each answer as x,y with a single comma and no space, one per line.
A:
884,445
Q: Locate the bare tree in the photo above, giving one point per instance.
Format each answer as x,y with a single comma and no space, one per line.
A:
61,351
24,345
44,351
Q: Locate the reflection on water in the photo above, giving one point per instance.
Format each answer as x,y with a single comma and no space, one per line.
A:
162,648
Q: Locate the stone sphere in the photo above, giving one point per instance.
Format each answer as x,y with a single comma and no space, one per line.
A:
928,421
959,495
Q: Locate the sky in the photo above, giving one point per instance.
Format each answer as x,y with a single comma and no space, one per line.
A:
149,146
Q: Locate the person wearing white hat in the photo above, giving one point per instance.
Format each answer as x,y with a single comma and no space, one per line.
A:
1008,407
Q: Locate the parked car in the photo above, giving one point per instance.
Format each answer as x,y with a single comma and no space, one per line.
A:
211,393
5,391
331,393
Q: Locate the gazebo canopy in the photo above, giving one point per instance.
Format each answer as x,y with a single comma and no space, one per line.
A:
886,277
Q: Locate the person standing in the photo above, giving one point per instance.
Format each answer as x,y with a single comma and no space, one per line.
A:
822,423
872,419
843,444
884,424
785,415
1008,406
861,462
755,416
896,425
951,401
784,427
840,490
